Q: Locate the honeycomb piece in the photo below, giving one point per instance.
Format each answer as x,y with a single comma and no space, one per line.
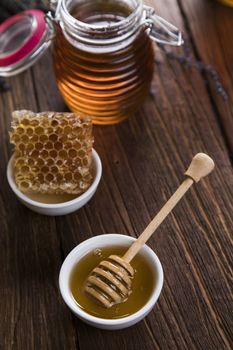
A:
52,152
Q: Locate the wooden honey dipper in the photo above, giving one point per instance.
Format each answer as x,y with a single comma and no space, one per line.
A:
110,282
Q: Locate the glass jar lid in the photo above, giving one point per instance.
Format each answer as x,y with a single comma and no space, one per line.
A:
23,39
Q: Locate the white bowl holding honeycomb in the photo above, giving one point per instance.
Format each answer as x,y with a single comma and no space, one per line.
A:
53,204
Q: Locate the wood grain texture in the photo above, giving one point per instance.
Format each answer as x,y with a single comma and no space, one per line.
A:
143,161
212,37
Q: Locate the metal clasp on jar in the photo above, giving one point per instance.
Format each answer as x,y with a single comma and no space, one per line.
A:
52,19
51,31
160,30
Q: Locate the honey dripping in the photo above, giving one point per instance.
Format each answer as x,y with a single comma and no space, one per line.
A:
107,86
143,284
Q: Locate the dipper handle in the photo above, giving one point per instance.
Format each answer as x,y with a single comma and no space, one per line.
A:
200,166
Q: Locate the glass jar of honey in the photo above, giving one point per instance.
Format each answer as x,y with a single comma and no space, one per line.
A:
102,54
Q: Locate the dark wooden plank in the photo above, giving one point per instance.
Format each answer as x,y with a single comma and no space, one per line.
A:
102,215
30,304
210,28
143,161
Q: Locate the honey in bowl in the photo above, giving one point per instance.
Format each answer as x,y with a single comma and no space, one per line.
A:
142,285
51,198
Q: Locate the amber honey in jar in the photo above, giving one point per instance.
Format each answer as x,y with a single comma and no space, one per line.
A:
102,52
103,55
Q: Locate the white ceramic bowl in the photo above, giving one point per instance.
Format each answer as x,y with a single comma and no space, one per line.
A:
101,241
57,208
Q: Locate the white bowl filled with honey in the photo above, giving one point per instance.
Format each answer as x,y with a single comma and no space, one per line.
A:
146,287
54,169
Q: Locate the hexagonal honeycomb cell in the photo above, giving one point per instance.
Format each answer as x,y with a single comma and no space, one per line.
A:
52,152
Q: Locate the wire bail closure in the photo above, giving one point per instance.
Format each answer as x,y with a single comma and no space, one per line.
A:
160,30
50,20
55,5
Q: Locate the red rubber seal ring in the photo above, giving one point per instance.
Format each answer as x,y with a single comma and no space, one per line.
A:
31,42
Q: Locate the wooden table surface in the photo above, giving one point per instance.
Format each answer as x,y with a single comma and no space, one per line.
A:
143,162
